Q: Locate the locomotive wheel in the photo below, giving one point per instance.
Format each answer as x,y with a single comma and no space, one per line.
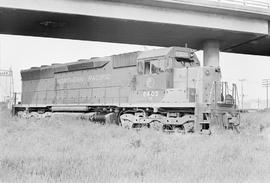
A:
157,125
126,120
126,124
189,126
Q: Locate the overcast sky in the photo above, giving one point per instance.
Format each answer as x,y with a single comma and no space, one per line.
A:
21,52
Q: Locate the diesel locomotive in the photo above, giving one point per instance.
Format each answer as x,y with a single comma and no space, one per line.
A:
165,89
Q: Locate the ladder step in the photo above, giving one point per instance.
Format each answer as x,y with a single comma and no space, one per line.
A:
204,122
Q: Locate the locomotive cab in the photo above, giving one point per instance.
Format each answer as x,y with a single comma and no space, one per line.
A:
150,63
156,70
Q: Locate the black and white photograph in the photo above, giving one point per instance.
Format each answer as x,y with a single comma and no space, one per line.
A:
134,91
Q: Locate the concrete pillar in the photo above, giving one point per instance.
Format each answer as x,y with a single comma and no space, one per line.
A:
211,53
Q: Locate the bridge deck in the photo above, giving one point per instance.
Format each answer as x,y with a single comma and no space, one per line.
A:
241,26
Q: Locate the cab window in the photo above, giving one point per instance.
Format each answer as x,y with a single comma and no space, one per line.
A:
147,67
152,66
184,62
155,67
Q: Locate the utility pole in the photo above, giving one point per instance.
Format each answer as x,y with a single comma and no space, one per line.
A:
266,84
242,93
7,87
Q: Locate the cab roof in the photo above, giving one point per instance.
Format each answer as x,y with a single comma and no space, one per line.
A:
169,52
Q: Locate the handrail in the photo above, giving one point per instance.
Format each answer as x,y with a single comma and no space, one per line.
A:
249,3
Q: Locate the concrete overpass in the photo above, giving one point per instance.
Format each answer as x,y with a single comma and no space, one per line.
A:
238,27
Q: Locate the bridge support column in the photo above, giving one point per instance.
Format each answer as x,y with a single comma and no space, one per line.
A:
211,53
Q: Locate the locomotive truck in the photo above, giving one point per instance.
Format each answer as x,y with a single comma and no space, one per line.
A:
165,89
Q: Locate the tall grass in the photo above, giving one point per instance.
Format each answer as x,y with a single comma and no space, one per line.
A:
57,150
